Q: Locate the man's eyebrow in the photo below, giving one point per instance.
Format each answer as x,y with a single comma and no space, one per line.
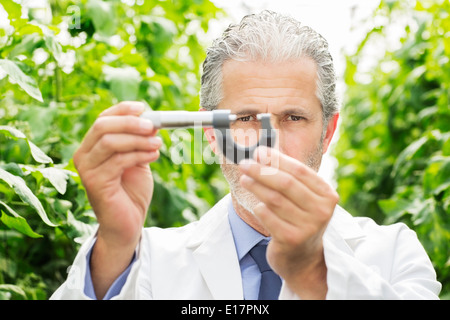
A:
298,111
295,110
247,112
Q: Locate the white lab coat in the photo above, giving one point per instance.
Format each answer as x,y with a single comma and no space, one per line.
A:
199,261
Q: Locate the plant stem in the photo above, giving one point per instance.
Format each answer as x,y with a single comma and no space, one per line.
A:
58,84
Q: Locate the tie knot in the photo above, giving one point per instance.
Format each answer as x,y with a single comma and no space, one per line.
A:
258,254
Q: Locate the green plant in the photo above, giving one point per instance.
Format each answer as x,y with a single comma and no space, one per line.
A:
60,66
394,148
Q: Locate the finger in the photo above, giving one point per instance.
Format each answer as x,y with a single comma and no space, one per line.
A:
278,228
283,183
281,206
132,108
122,161
306,175
110,144
114,167
116,124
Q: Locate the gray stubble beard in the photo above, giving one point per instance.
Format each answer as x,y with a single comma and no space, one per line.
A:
245,198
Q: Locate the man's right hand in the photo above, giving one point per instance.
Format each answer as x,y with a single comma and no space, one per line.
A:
112,162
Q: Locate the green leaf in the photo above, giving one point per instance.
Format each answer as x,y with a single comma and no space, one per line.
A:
408,153
55,48
28,44
13,9
13,288
9,209
395,208
103,17
124,82
37,153
436,177
85,230
16,75
18,223
57,177
27,196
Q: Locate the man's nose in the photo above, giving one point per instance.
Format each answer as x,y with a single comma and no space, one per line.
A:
279,138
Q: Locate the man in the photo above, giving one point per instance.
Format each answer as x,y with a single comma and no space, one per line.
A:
316,250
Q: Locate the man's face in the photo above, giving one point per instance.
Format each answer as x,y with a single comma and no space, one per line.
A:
288,92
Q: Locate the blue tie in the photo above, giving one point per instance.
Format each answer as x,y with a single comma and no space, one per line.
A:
270,281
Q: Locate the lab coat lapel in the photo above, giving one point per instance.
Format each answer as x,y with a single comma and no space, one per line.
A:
215,253
343,231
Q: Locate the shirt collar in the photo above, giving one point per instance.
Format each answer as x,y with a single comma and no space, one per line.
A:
245,237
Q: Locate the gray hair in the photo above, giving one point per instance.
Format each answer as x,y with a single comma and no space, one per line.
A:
270,37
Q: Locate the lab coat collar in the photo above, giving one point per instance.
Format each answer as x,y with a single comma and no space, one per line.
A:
345,225
341,221
343,232
215,253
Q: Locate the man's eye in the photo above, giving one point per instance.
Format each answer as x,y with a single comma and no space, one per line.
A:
246,118
295,118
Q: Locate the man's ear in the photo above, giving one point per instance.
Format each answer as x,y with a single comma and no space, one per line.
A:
331,129
209,132
210,136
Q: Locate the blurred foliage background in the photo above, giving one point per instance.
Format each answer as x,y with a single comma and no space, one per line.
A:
61,64
394,144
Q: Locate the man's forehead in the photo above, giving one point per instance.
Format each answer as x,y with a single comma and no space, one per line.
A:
270,79
266,87
265,68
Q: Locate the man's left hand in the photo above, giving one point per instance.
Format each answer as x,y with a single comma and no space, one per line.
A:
296,206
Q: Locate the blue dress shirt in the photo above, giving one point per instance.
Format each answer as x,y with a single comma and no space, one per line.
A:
245,238
115,288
